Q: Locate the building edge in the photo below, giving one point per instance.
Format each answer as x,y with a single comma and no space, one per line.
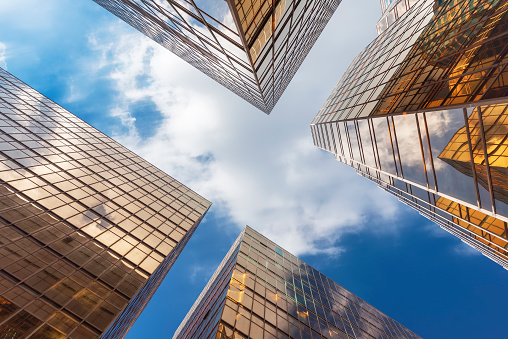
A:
233,251
126,319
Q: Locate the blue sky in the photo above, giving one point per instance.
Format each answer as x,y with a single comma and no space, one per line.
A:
257,170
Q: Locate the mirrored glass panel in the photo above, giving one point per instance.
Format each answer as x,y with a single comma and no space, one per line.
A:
87,228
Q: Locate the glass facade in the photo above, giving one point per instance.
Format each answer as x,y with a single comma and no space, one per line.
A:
254,48
392,10
262,291
422,112
88,229
385,4
434,57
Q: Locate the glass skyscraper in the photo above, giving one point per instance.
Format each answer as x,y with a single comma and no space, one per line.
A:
262,291
88,229
391,11
422,111
254,48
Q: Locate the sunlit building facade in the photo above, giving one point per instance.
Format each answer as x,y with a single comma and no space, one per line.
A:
391,11
422,111
88,229
253,48
262,291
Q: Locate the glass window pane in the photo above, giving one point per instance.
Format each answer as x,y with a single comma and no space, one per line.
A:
450,154
384,146
409,148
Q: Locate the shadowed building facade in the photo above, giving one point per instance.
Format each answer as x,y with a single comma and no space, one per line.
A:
253,48
88,229
262,291
422,112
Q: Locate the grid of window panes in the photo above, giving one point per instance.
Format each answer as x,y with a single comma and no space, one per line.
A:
203,318
395,11
385,4
454,218
84,222
208,40
440,54
256,61
254,15
121,325
272,294
294,34
448,158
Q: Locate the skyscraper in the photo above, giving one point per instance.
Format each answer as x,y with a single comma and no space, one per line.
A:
254,48
391,11
422,112
88,229
262,291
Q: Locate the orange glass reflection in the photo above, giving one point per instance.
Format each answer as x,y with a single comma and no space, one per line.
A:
18,325
267,31
258,21
456,152
478,224
456,59
237,286
303,316
239,276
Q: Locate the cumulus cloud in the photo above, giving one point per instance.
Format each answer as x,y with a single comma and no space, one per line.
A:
259,170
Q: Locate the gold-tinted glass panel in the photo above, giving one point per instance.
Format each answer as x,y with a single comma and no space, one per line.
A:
495,133
439,54
486,229
456,59
252,47
262,291
71,200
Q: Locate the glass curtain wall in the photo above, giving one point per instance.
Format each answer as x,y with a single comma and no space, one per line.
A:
253,48
421,111
266,292
88,229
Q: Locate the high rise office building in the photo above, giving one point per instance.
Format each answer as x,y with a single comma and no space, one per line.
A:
254,48
88,229
422,111
391,11
262,291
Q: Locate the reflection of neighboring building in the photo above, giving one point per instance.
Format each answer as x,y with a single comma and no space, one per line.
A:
495,126
262,291
257,22
421,111
88,229
254,48
475,228
456,59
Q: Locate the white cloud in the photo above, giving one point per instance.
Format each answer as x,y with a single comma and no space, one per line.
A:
201,273
463,249
458,247
3,57
259,170
435,231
